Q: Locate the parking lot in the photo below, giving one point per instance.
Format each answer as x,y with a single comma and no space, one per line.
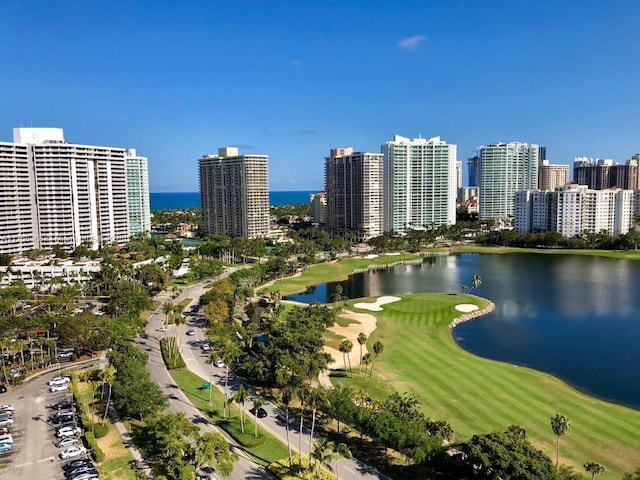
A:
34,454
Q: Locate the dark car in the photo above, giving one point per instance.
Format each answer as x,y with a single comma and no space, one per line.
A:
78,463
261,412
3,388
62,418
62,405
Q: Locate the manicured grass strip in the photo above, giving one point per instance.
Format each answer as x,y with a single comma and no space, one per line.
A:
335,271
626,255
265,448
478,395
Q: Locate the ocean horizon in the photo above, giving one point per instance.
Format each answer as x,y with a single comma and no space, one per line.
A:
174,200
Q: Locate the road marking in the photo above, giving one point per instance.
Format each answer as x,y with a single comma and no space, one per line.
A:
347,468
46,459
23,464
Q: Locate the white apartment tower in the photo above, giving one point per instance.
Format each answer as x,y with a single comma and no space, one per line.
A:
420,183
56,193
234,195
505,168
575,209
354,192
138,193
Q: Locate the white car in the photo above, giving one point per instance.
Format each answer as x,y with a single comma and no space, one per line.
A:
59,381
68,432
205,347
7,407
6,421
67,442
73,452
58,388
218,363
191,332
162,329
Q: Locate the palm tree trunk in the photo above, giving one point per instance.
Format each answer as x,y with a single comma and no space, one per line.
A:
106,410
300,435
288,442
313,425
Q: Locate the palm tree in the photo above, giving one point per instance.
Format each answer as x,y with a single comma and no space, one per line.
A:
317,398
362,339
366,359
341,450
594,469
561,426
464,288
303,394
323,454
378,348
258,402
345,347
476,282
287,396
240,397
213,356
108,377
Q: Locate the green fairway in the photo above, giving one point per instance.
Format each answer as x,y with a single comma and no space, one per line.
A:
335,271
477,395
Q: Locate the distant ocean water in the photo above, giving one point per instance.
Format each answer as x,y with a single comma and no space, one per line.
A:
173,200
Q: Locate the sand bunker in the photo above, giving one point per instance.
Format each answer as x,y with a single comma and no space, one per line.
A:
393,253
377,305
466,307
373,255
365,323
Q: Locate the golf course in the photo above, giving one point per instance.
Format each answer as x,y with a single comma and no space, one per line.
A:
477,395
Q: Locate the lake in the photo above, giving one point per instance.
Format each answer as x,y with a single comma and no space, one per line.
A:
573,316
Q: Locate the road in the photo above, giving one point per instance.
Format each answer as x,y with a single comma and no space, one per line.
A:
245,468
196,360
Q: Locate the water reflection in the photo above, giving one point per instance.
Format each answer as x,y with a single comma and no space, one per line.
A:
570,315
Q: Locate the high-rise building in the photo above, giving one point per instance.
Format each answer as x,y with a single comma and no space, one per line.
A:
505,168
58,193
473,166
354,192
458,174
137,168
234,195
318,207
552,176
600,173
575,209
420,183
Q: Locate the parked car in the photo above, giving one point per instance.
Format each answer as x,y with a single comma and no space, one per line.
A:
191,332
68,432
59,380
6,413
7,407
62,419
162,329
76,463
282,416
218,363
3,388
6,421
65,354
58,388
261,412
83,470
67,442
73,452
61,405
6,446
86,476
205,347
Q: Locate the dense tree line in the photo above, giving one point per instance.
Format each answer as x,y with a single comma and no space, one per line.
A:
134,393
588,240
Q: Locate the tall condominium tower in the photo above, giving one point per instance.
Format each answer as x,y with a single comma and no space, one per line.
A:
600,174
575,209
420,183
473,169
57,193
354,192
552,176
138,193
318,207
505,168
234,195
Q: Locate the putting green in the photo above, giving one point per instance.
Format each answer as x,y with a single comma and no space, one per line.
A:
477,395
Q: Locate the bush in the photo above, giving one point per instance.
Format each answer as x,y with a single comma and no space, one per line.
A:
96,451
100,430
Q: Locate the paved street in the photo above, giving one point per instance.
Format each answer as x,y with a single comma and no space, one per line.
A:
196,360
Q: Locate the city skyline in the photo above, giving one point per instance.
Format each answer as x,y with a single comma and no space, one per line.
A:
292,80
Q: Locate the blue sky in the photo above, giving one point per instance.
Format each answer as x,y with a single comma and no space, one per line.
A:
293,79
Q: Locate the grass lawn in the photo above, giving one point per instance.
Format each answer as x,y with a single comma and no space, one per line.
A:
477,395
265,448
334,271
625,255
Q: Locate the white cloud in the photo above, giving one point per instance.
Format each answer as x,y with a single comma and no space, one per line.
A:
410,43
